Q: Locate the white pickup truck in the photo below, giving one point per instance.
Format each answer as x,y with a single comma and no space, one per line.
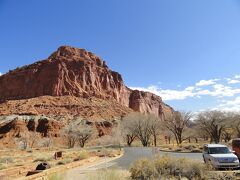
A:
220,156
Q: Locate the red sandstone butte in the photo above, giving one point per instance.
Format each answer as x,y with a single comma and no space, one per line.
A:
73,72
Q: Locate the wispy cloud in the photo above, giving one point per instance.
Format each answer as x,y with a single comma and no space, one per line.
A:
168,94
218,88
233,81
229,105
237,76
206,82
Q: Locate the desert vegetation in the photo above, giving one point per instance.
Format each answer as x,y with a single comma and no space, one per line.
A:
79,140
181,128
108,174
77,133
141,127
164,167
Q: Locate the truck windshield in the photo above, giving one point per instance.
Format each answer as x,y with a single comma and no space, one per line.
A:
219,150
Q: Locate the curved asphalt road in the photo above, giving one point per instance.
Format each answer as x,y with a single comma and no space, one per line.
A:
134,153
130,155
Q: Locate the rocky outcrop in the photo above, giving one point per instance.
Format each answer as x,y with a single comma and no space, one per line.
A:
77,73
67,107
20,126
148,103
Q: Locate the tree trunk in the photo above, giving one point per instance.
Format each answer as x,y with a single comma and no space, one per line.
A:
169,140
155,140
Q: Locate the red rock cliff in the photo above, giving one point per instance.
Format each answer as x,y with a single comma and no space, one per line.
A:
76,72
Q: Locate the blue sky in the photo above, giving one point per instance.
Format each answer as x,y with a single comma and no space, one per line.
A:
163,46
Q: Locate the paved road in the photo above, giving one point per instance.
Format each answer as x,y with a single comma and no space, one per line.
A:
134,153
130,155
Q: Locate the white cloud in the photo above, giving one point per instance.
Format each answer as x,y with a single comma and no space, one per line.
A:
168,94
207,88
206,82
230,105
0,73
190,88
237,76
233,81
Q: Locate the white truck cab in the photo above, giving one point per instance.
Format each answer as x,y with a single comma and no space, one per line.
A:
220,156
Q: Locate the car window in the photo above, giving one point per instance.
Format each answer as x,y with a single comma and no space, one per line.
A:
219,150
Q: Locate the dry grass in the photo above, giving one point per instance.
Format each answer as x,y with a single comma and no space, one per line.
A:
64,161
109,174
6,159
2,166
184,147
108,152
56,176
164,167
43,158
18,158
82,155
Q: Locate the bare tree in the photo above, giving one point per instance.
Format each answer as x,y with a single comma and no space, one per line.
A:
117,136
78,132
47,142
140,126
237,129
236,123
154,127
227,134
213,123
70,132
128,129
84,132
177,123
33,139
168,135
28,140
23,142
143,125
189,134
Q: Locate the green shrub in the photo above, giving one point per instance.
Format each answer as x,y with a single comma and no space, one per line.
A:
142,169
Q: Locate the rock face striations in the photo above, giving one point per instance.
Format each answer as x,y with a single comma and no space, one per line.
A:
73,72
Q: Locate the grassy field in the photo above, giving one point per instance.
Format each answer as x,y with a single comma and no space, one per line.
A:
12,161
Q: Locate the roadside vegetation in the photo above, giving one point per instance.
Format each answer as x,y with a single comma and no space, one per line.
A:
164,167
108,174
180,131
